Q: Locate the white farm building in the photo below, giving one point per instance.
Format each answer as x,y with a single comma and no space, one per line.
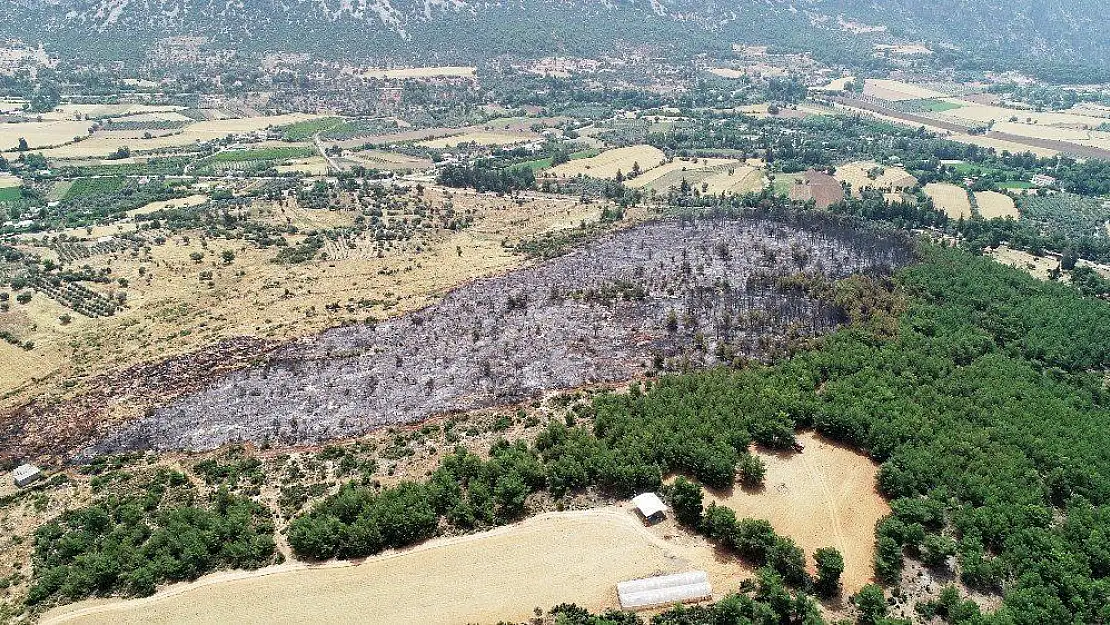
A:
26,474
650,506
652,592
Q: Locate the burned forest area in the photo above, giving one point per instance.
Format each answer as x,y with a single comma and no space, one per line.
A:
665,295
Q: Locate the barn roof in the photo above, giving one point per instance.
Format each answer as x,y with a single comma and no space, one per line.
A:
649,504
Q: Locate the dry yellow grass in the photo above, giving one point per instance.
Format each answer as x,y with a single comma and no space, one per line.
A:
498,575
314,166
40,134
380,159
993,204
858,175
950,199
648,177
744,179
822,497
478,138
185,202
1037,266
8,180
99,146
608,163
895,91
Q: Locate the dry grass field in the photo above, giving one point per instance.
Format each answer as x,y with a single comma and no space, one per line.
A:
477,137
896,91
314,166
743,179
608,163
870,175
170,311
502,574
993,204
40,134
103,144
1037,266
185,202
650,178
822,497
392,161
949,198
7,181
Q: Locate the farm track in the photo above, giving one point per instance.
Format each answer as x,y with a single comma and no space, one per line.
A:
596,315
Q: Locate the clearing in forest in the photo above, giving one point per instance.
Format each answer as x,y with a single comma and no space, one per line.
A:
502,574
871,175
993,204
608,163
822,497
949,198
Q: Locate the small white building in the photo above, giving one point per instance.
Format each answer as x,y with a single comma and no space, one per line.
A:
650,507
26,474
653,592
1041,180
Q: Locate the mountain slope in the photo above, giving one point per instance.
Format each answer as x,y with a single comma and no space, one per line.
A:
1072,31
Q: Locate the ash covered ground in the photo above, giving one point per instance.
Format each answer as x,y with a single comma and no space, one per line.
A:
701,291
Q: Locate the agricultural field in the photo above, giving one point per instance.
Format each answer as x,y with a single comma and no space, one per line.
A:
871,175
950,198
662,177
896,91
101,145
301,131
487,577
476,137
816,186
608,163
388,161
1065,214
743,179
992,204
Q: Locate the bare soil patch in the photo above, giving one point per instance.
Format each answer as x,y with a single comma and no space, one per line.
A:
822,497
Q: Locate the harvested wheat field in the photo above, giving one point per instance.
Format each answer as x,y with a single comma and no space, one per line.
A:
993,204
41,134
744,179
822,497
652,176
101,145
498,575
950,199
8,181
871,175
608,163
